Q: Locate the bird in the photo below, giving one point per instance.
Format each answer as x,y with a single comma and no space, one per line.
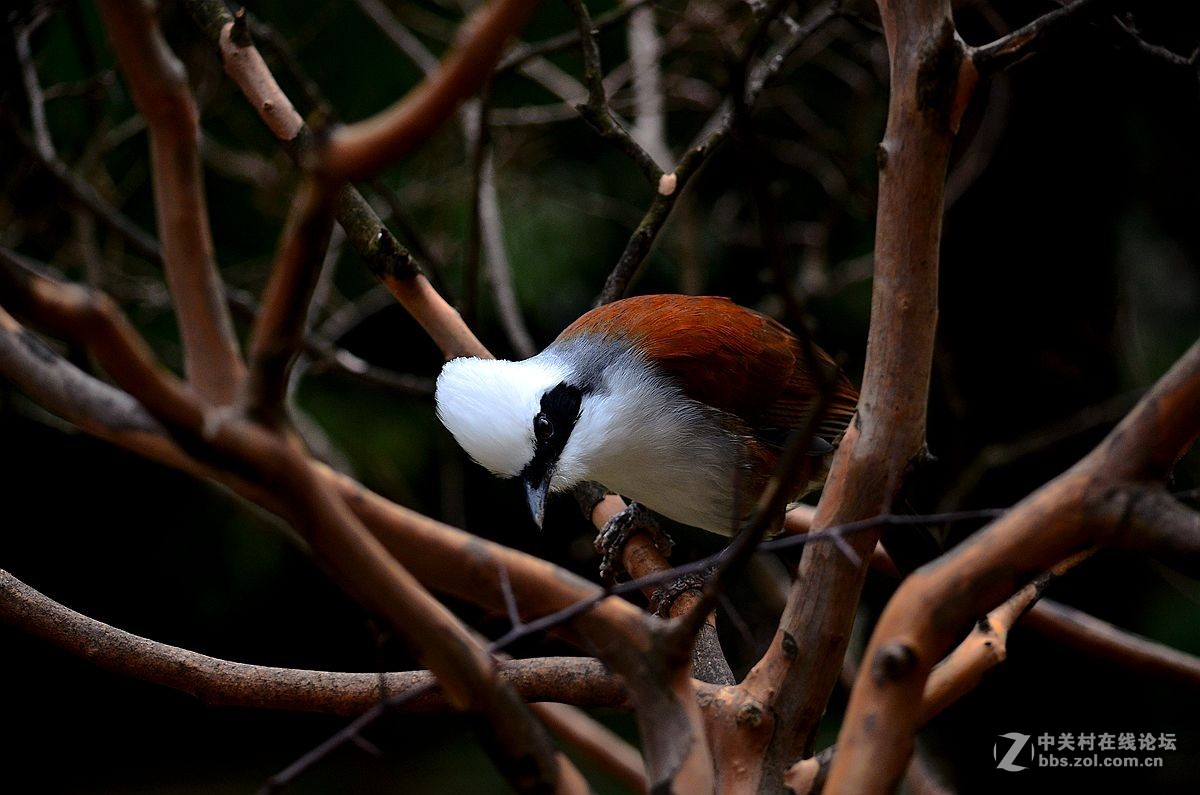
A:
681,403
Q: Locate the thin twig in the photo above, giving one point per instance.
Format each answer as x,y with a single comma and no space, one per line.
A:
1156,50
1014,46
83,194
714,132
596,111
33,86
499,272
523,53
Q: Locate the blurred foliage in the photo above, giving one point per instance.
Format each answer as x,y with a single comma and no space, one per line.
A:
1070,276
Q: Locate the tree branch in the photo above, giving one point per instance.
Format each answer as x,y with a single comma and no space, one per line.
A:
361,149
159,86
391,263
1086,505
569,680
311,504
1012,47
598,744
459,563
930,83
711,136
1102,640
596,111
279,331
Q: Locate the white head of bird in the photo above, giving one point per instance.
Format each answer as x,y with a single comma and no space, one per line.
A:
682,403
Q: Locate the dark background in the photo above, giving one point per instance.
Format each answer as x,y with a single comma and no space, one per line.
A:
1069,282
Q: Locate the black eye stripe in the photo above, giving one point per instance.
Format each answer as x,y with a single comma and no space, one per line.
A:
551,428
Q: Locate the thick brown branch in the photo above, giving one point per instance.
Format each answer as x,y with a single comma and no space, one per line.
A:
159,86
986,646
1157,523
930,83
1088,504
363,148
568,680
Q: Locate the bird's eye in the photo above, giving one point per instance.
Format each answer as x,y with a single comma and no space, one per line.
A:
543,428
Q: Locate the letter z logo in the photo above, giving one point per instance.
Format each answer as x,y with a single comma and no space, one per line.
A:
1008,762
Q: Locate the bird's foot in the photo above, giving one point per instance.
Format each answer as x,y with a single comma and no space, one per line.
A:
664,596
610,542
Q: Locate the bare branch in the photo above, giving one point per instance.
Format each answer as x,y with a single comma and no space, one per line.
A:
569,680
711,136
1156,50
522,53
1157,523
1087,504
405,41
930,83
84,195
499,272
1102,640
282,321
596,110
311,504
598,744
33,86
986,646
387,258
649,118
363,148
1010,48
159,86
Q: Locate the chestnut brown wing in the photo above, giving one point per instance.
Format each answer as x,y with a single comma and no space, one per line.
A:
729,357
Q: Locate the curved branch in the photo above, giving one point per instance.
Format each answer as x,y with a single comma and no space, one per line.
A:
361,149
454,561
597,743
1090,503
568,680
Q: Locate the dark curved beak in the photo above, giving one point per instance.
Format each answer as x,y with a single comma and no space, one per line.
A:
535,493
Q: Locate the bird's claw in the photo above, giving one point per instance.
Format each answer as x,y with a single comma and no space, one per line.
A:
664,596
610,541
